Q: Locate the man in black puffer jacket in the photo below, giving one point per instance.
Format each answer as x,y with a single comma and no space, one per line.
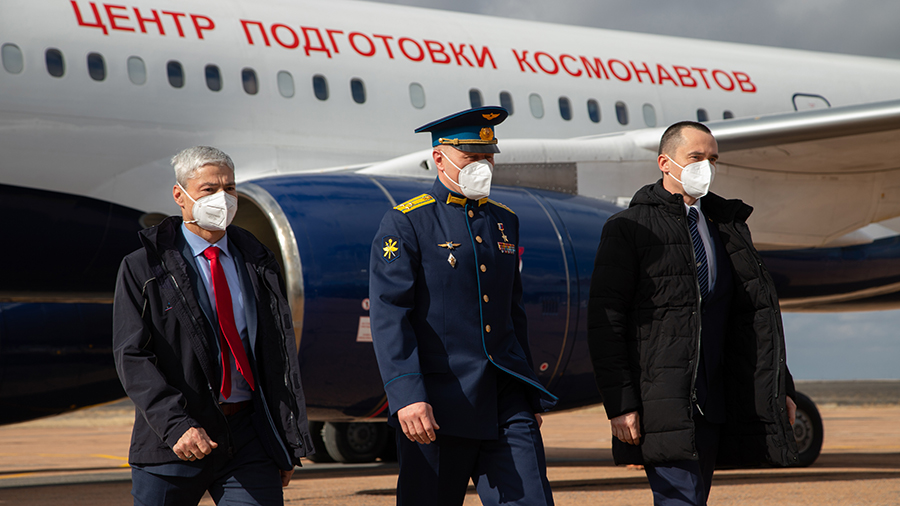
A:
685,331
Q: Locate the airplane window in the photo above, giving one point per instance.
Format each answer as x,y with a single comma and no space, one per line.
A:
137,71
213,78
537,105
506,101
176,73
96,66
358,90
475,98
649,115
56,65
702,115
251,85
622,113
565,108
320,87
285,84
593,110
727,115
12,58
417,95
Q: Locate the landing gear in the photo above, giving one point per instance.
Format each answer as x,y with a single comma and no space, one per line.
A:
358,442
807,430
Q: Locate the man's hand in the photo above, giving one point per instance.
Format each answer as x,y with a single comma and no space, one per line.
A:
418,423
286,477
540,419
194,444
627,428
792,409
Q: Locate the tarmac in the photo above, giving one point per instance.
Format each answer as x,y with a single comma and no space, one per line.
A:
81,459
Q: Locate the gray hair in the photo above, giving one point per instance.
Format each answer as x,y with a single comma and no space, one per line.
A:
188,161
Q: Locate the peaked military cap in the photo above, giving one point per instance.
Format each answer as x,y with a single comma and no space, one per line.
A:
471,130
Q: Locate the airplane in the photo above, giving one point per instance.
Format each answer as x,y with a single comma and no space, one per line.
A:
316,103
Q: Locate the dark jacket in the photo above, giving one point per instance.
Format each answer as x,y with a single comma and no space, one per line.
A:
644,334
167,357
451,332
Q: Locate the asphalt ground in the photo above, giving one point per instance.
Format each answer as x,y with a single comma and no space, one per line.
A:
80,459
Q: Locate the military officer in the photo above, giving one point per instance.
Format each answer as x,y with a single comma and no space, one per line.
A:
450,334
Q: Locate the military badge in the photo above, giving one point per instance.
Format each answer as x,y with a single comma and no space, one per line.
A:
450,245
507,248
502,233
490,116
486,134
390,248
451,260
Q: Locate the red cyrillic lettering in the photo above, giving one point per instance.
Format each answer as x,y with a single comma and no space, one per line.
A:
96,24
113,17
371,50
637,73
521,60
403,50
701,71
715,74
155,19
331,38
743,79
612,70
262,30
385,39
195,18
685,73
459,54
664,75
537,59
485,55
595,69
175,17
308,45
432,50
293,45
562,61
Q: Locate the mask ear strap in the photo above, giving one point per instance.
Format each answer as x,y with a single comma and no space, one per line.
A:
188,196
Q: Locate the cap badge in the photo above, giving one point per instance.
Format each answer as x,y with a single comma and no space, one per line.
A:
486,134
491,115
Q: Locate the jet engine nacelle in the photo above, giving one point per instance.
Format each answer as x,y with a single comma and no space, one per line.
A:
322,227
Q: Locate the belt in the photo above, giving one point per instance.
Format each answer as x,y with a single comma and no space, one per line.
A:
230,408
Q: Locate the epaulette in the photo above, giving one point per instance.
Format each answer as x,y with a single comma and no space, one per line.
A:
501,205
415,203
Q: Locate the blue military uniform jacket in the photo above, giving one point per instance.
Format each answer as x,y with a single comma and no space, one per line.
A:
446,310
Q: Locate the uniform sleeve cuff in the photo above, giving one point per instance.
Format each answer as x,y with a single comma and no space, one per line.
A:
405,390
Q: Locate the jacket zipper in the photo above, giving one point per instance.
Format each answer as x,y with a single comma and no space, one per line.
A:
212,391
699,318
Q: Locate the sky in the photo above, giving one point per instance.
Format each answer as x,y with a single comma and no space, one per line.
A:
835,346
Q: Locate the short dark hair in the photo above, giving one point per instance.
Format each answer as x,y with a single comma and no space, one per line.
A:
672,136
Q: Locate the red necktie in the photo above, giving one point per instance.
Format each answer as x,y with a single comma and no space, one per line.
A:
229,338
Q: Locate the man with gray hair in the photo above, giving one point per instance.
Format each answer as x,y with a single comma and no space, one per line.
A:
204,347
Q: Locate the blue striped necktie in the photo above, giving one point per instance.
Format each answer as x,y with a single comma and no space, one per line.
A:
699,253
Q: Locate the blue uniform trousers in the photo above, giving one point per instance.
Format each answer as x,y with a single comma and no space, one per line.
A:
250,478
510,470
687,482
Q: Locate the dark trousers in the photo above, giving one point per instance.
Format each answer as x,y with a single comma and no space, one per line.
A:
687,482
509,470
250,478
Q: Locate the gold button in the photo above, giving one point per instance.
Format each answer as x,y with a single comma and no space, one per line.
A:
490,357
471,213
483,268
487,328
478,239
485,298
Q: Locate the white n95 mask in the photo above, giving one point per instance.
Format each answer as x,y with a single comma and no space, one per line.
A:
695,177
213,212
474,179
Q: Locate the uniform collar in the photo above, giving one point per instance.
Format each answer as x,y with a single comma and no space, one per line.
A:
443,194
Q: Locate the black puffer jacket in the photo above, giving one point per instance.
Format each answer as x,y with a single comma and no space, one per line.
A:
644,326
168,363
